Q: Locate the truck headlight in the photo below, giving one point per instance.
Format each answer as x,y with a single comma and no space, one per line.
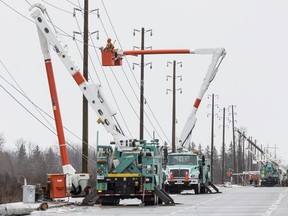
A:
194,176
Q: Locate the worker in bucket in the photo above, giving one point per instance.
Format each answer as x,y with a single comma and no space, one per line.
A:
109,46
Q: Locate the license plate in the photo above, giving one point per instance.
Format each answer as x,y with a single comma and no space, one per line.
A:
100,177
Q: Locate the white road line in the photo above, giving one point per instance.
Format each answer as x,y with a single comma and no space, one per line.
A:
274,206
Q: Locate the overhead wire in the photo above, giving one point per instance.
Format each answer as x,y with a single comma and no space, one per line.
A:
135,79
23,93
22,89
90,58
66,34
72,3
107,81
112,93
37,107
17,11
121,87
57,7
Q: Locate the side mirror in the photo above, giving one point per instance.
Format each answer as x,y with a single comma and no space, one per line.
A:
203,160
165,152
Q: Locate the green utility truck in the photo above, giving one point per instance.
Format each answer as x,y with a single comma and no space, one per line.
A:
134,173
187,171
270,175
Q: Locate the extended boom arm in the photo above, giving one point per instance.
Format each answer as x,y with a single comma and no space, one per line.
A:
92,92
217,56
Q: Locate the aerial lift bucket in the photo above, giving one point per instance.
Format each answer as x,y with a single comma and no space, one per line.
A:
110,58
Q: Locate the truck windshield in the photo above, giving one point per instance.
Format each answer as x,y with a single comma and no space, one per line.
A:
182,159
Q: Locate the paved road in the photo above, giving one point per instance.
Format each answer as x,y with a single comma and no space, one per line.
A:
236,201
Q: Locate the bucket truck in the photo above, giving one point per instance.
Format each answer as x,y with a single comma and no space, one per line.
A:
184,170
271,173
133,169
70,182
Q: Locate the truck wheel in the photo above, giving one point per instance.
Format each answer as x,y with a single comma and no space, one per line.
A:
202,190
196,190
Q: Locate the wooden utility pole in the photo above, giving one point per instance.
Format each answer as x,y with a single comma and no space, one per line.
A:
223,148
174,107
142,88
239,155
243,156
234,146
212,137
85,102
142,65
174,90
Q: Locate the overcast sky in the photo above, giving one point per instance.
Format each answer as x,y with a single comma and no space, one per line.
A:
253,76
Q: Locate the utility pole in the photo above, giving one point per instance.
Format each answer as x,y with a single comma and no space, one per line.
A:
234,146
223,147
142,65
239,155
85,102
243,150
174,77
212,136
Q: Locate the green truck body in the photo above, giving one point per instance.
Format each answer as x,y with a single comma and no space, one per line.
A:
135,173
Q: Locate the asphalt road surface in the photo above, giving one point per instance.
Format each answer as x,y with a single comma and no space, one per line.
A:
240,201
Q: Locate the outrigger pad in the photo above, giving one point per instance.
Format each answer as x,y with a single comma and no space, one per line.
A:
164,196
214,187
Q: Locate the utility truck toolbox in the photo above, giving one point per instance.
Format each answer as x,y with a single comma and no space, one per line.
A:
57,185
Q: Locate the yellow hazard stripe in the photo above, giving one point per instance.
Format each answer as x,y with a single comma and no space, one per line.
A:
119,175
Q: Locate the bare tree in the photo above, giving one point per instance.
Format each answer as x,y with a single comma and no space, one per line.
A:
2,142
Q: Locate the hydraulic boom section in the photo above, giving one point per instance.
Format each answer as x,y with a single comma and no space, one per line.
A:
93,92
218,55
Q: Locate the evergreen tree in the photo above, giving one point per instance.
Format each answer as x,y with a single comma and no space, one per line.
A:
216,167
2,142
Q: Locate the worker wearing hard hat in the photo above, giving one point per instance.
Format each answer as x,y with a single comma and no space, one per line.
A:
109,45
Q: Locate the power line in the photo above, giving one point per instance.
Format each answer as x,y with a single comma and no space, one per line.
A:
66,34
57,7
17,11
133,77
35,105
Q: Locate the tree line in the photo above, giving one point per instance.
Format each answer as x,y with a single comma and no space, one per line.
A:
28,161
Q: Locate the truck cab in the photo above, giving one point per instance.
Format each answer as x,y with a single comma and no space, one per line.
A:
186,171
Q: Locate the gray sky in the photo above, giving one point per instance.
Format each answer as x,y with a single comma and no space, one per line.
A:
252,76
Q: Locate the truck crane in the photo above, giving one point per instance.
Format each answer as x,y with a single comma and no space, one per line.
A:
70,182
133,169
110,58
185,170
272,172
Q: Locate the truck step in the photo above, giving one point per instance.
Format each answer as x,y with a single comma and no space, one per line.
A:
91,197
163,195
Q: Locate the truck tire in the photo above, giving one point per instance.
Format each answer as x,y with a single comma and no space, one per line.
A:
203,190
196,190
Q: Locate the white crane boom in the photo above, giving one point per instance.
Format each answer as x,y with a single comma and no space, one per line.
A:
218,55
93,92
